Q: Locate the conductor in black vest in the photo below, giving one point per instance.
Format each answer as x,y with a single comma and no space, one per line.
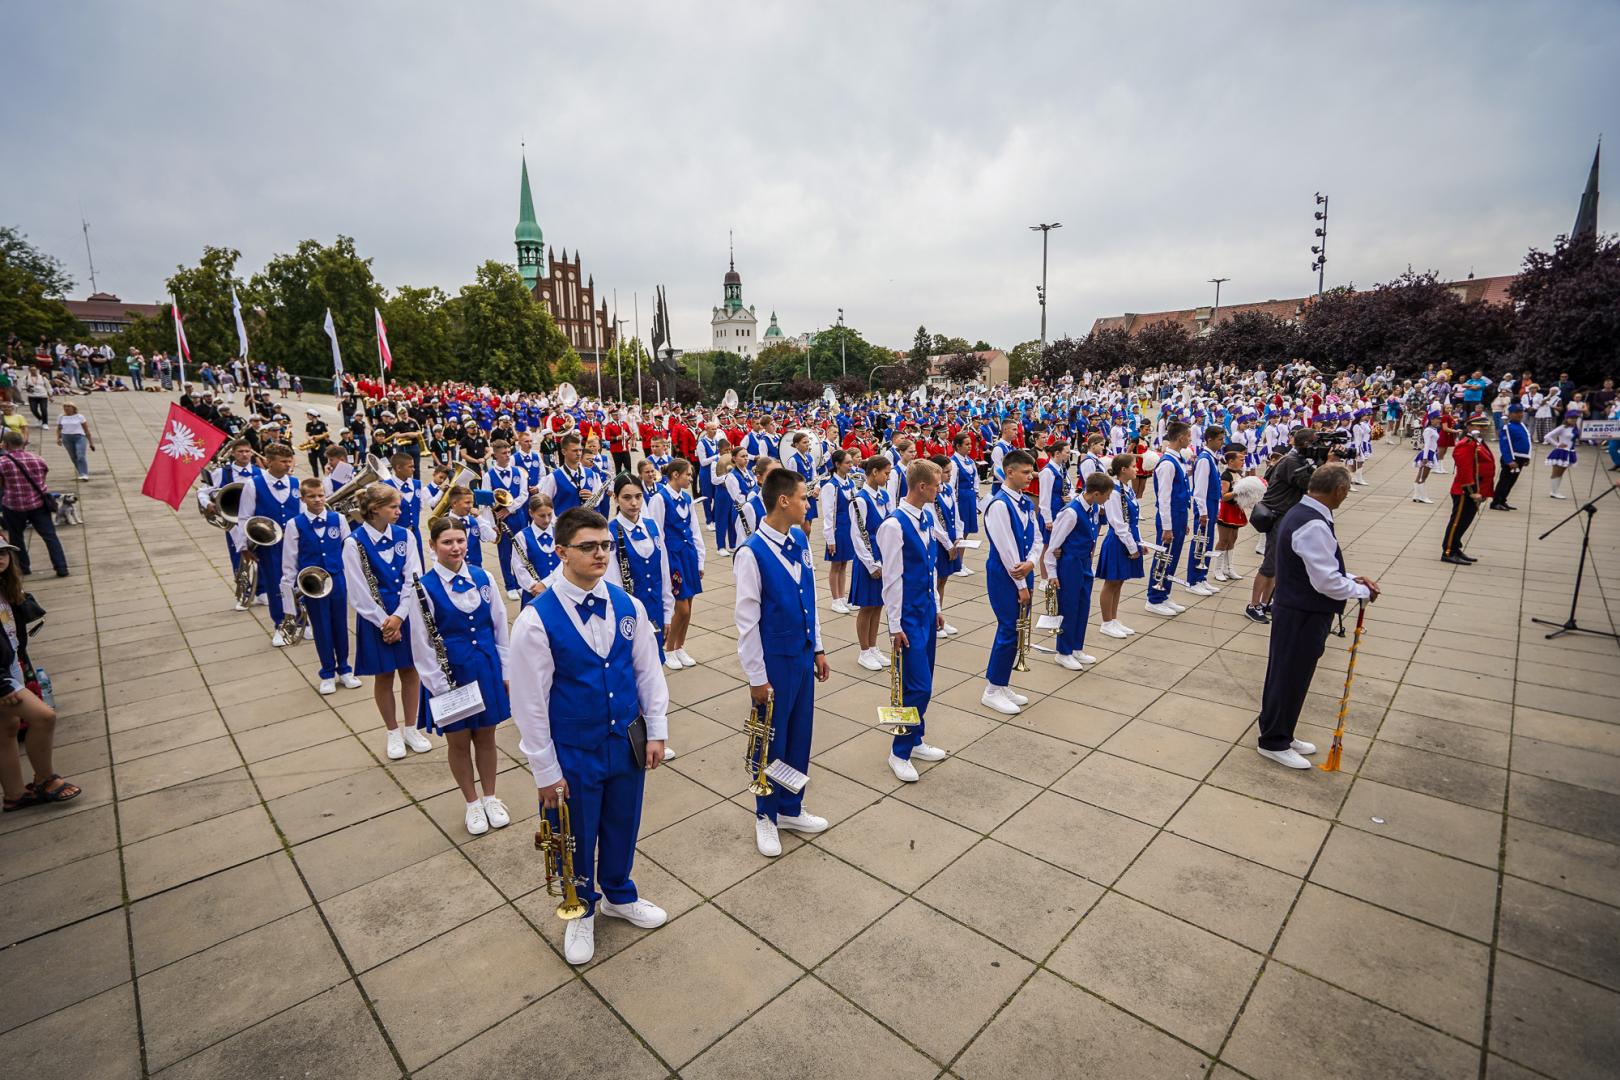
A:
1312,588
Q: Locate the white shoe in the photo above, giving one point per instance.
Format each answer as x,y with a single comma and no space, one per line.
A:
1161,609
1300,746
870,660
1219,574
673,662
766,838
1260,548
1555,495
1203,588
1426,499
1179,607
84,478
994,698
686,660
1085,658
328,686
923,752
1015,696
884,657
841,607
477,820
1113,629
349,681
495,810
1231,571
805,822
669,752
903,770
259,601
396,744
579,940
948,630
416,740
1289,758
279,641
1066,660
964,572
642,913
725,552
1128,631
511,594
309,633
239,606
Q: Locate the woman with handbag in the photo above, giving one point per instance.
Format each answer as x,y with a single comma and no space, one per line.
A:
20,705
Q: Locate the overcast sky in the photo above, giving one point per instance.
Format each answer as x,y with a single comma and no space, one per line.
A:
883,157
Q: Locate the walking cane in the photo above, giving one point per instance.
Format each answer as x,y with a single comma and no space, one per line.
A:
1332,762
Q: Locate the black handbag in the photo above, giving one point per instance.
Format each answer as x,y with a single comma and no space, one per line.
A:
29,611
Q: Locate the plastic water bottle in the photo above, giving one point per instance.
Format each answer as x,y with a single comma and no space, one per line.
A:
45,691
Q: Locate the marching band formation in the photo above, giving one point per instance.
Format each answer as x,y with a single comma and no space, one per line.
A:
541,499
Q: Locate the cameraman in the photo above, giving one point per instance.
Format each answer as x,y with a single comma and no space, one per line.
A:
1286,483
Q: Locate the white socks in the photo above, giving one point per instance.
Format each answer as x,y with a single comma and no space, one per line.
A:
1556,486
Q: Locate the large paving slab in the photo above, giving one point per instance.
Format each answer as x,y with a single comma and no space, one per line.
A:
1111,884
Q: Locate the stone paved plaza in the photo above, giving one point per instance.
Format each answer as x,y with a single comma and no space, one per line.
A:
1112,884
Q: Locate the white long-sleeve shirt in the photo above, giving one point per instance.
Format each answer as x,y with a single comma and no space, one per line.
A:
862,551
827,503
360,598
655,509
289,554
998,526
891,543
645,548
1164,479
1203,474
525,580
531,669
750,650
248,506
1114,511
225,474
1053,477
427,664
502,477
1318,548
1062,526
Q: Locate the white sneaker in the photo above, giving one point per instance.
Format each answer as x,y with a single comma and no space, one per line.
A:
83,477
1219,574
766,838
948,630
396,744
1161,609
1289,758
1128,631
883,657
259,601
279,641
1113,629
686,659
923,752
1300,746
495,810
1015,696
673,662
1065,660
669,752
1203,588
1556,495
841,607
1179,607
725,552
579,940
805,822
309,633
239,606
328,686
1085,658
994,698
477,820
350,681
964,572
642,913
511,594
903,770
870,660
416,740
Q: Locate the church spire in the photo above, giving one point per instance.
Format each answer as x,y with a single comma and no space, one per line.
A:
733,280
1586,216
530,240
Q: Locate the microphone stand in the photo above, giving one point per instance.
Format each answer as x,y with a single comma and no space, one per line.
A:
1569,625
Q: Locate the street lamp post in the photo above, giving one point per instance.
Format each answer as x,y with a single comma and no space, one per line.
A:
1319,249
843,361
758,385
1045,231
1216,314
874,371
619,353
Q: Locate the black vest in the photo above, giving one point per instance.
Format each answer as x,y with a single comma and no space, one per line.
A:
1294,588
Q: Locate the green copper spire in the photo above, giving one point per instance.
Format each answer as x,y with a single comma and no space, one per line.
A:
530,240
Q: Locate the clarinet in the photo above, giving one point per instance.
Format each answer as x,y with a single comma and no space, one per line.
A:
624,561
434,637
858,513
522,550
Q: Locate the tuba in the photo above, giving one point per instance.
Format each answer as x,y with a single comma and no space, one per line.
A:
730,400
224,504
346,499
556,847
262,531
758,729
313,583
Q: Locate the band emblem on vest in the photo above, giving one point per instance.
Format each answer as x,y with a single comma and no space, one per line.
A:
627,627
485,592
399,549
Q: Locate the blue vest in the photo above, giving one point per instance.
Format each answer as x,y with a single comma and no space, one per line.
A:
465,633
592,696
874,514
967,476
567,494
646,574
475,538
1082,540
1053,483
390,575
787,619
677,518
840,522
1294,588
542,552
1212,494
920,555
410,501
1180,489
1023,536
530,463
757,505
265,504
324,550
946,511
511,485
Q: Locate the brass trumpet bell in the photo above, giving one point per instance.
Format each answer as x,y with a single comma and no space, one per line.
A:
758,729
262,531
314,583
556,847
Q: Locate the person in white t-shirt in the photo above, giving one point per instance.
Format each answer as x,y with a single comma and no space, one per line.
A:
73,434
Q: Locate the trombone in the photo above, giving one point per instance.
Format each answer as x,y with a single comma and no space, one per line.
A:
556,847
758,729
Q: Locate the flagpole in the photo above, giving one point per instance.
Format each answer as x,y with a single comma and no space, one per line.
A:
618,355
179,351
636,300
382,370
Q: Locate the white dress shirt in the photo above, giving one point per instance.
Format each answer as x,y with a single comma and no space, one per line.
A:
1114,511
1062,526
656,509
250,501
1203,473
999,528
360,598
891,544
501,476
289,553
645,548
427,663
531,669
1318,548
750,651
225,474
1164,479
526,580
862,552
1052,479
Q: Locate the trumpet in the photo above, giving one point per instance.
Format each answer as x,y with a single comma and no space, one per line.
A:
1022,627
1159,573
1199,551
758,729
897,718
1052,606
346,499
312,442
556,847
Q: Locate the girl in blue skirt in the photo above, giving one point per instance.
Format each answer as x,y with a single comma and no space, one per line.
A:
1121,557
722,511
534,551
640,561
672,510
470,619
378,561
835,524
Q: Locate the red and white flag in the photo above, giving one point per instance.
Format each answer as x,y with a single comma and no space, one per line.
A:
382,343
180,333
187,445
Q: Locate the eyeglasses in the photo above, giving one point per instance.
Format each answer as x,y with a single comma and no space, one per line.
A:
592,547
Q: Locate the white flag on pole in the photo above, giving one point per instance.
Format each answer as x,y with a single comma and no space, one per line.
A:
241,329
331,332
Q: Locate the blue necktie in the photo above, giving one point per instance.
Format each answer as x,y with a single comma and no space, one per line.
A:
589,608
460,583
638,533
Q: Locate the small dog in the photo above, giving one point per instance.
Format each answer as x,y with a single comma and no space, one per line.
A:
67,509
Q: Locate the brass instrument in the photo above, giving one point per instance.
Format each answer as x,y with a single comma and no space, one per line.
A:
313,583
556,847
1052,606
1159,572
464,478
1022,627
895,717
224,454
312,442
262,531
246,581
758,729
224,504
346,499
1199,551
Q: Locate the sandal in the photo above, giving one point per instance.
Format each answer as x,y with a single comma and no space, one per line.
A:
62,792
29,798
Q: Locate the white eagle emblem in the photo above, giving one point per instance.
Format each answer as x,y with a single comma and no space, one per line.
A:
627,627
180,442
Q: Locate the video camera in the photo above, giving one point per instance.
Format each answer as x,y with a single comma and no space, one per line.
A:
1337,443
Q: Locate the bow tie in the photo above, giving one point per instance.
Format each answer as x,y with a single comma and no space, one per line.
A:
790,549
638,533
927,521
280,485
883,498
590,608
545,540
460,583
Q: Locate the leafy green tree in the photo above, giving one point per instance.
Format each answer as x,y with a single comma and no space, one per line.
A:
296,290
1165,343
421,334
1248,339
1569,310
982,346
203,292
570,369
31,286
1023,363
716,371
942,344
922,346
503,337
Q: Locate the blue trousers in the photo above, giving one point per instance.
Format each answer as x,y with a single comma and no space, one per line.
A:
793,680
1004,649
916,683
236,556
1613,447
503,549
1178,530
1074,604
328,618
604,810
1195,573
967,508
725,520
270,580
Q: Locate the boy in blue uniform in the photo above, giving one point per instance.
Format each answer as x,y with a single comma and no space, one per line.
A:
1172,496
409,487
1054,487
586,691
1015,550
272,493
505,475
315,539
1206,503
779,646
240,468
1068,566
1513,441
910,540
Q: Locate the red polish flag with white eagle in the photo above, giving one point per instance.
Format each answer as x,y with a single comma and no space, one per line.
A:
185,448
383,354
